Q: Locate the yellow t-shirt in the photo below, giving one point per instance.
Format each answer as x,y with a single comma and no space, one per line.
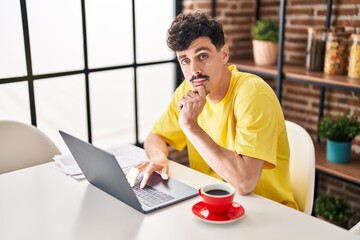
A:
248,120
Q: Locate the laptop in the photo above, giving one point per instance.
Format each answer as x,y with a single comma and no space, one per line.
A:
103,171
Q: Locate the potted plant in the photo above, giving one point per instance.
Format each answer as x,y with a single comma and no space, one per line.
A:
333,209
339,132
265,34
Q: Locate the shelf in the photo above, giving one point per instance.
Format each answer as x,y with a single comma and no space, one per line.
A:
298,73
347,171
247,65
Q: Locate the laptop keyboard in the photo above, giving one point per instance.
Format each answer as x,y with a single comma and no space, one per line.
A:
150,196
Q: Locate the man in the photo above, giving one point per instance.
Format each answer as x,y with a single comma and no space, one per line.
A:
231,122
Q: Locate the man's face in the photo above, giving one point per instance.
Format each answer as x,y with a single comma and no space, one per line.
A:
202,64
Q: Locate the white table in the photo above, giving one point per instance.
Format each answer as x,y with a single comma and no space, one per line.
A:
42,203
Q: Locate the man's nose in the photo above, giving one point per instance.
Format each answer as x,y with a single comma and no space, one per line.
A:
195,69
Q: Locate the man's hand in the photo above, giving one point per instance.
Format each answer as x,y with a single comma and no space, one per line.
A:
191,105
157,164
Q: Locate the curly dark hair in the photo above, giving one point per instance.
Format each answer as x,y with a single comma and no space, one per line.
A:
189,26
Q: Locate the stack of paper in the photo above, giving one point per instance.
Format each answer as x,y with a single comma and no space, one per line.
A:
68,165
127,155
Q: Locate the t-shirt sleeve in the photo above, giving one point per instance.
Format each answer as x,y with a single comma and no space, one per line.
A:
257,128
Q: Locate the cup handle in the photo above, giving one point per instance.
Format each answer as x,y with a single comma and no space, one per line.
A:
200,192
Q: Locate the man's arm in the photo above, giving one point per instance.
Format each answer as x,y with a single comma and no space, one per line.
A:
242,172
155,145
157,151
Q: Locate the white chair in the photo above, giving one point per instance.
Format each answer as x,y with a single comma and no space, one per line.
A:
355,229
23,145
302,166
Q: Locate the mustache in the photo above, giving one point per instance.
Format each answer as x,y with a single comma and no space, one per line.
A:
194,77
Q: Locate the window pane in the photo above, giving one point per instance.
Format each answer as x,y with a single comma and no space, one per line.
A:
12,55
151,29
112,107
14,102
55,35
60,105
109,32
154,91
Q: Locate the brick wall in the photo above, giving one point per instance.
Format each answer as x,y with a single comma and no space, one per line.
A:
301,14
300,101
237,18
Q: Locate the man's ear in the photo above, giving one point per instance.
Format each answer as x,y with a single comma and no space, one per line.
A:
225,54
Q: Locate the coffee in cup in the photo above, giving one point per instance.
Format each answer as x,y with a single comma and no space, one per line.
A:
218,198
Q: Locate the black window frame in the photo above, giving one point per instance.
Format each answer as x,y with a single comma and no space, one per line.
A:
30,77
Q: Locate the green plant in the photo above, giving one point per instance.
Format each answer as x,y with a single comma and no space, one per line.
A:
342,128
265,30
332,208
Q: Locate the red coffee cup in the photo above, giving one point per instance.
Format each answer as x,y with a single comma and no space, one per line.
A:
218,198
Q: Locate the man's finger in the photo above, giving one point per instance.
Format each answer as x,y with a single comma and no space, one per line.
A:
145,179
165,173
132,175
164,176
180,105
200,90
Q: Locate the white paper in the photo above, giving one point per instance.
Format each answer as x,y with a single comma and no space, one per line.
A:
68,164
126,155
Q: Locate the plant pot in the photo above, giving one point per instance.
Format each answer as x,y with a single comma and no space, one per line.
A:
338,152
265,52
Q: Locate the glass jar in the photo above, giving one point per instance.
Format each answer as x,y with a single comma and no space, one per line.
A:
354,59
336,54
315,49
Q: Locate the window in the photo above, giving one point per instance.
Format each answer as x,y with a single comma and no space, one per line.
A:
100,70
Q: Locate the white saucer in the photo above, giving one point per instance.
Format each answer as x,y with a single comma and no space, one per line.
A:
235,212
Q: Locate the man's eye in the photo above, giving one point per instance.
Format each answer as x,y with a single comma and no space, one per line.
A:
184,61
203,56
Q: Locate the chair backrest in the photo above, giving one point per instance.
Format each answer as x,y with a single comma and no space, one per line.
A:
23,145
302,166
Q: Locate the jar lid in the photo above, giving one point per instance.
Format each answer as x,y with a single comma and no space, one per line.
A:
316,29
355,36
